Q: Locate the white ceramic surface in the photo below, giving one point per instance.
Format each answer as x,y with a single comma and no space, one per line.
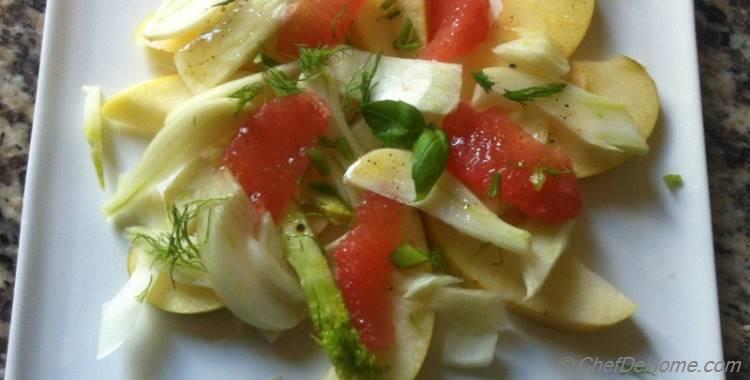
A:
654,244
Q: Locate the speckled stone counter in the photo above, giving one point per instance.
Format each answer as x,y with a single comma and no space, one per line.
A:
724,41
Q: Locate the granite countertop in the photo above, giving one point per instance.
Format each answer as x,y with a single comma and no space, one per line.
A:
724,47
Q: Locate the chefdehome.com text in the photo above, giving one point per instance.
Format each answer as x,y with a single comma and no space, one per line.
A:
653,366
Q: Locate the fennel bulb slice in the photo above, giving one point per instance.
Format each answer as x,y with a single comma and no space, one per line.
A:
93,129
184,136
228,89
388,173
217,54
243,255
430,86
596,120
177,17
120,315
535,53
548,243
469,337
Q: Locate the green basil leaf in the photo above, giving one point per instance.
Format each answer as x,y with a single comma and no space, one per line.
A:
397,124
430,156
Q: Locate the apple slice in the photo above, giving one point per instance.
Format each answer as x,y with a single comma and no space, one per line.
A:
373,30
624,81
144,106
564,21
573,297
182,298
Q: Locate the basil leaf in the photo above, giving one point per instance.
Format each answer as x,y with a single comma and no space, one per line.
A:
397,124
430,156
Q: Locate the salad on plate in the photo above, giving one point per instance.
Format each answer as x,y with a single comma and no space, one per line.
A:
372,165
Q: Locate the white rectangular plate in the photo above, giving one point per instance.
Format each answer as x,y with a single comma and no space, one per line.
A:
654,244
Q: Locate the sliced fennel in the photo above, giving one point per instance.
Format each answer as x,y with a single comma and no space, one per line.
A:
535,53
424,285
432,87
144,106
243,256
225,90
92,128
217,54
469,337
413,322
120,315
147,209
548,242
388,173
185,135
330,317
175,18
325,87
364,135
594,119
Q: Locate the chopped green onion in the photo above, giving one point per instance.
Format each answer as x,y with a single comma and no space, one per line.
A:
323,188
494,185
673,181
406,256
318,160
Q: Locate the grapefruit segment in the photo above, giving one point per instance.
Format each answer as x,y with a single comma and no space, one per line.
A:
364,270
455,28
537,179
317,23
267,155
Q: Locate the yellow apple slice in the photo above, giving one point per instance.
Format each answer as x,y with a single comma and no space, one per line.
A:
374,31
573,298
564,21
182,298
623,80
144,106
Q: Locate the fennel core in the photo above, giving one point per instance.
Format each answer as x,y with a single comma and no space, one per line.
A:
334,331
176,247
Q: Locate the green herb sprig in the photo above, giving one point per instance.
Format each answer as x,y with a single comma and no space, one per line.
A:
281,84
362,83
246,95
176,247
533,93
408,38
312,59
483,81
